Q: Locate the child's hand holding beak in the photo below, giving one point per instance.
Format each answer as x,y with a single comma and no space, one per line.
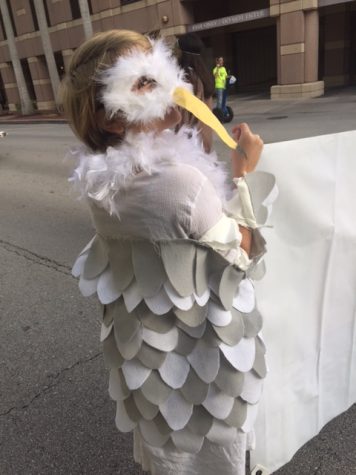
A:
248,151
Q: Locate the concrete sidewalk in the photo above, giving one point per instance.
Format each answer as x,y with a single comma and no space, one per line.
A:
281,120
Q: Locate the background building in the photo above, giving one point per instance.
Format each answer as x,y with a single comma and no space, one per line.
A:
294,48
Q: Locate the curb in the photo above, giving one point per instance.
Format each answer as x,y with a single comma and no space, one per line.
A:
32,121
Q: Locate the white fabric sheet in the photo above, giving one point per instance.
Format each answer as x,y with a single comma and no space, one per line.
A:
308,296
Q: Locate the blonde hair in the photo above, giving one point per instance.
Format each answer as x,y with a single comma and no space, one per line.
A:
80,88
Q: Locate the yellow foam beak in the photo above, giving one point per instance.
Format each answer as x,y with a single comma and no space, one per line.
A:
183,98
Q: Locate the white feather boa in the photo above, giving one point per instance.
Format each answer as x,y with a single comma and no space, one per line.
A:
102,176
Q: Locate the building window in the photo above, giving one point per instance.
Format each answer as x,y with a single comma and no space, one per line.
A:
126,2
47,13
34,16
3,27
28,79
74,6
58,57
3,98
11,17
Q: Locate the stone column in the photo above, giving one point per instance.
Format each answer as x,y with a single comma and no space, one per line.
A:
297,49
173,18
67,56
84,11
10,86
24,99
47,47
41,83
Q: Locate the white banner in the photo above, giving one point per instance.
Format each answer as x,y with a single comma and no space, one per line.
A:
308,297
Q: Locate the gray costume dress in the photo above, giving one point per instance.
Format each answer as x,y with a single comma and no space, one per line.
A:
181,330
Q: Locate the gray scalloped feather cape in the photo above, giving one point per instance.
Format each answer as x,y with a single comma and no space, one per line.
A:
181,330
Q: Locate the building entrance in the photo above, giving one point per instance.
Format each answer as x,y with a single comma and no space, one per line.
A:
255,59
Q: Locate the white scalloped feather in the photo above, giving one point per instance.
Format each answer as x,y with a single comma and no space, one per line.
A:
174,370
242,355
176,411
135,373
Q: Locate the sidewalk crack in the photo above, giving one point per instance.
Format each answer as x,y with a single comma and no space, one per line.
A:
36,258
53,384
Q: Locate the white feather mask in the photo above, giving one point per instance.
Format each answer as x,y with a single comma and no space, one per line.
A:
156,65
167,88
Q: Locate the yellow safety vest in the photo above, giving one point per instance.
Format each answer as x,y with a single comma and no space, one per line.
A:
220,77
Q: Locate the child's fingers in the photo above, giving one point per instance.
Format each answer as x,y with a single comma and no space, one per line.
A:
248,137
236,131
245,129
241,131
241,126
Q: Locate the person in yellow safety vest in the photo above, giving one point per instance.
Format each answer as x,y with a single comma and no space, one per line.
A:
220,75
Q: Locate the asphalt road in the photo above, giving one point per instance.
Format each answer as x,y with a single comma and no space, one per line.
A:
56,416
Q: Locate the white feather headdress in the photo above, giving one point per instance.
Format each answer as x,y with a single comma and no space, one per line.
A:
118,81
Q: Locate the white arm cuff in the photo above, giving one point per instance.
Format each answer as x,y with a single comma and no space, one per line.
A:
225,237
240,206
